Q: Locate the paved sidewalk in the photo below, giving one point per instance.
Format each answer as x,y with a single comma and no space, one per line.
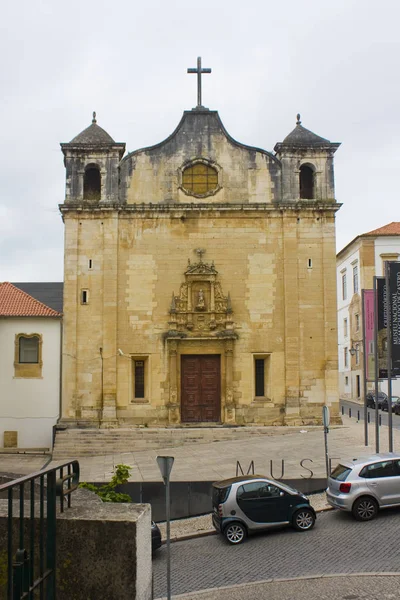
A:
217,460
375,586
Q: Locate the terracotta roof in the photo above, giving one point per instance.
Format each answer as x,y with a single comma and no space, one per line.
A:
16,303
389,229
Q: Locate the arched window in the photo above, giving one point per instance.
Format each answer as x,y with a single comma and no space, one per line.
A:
200,179
306,182
92,183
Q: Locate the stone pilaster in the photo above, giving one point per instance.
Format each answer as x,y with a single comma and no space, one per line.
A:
110,301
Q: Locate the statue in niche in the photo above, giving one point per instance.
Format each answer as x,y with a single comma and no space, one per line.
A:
201,304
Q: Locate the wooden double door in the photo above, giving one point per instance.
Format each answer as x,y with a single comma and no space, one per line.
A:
200,388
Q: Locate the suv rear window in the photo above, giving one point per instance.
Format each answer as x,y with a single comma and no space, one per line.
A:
219,495
340,473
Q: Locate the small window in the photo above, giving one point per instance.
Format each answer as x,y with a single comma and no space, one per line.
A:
84,296
346,380
357,348
377,470
28,356
269,491
344,286
250,491
355,278
92,183
345,328
357,322
139,378
306,182
29,350
90,264
260,376
200,179
310,263
346,357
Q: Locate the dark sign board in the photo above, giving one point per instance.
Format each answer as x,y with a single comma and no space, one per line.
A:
382,327
368,298
394,287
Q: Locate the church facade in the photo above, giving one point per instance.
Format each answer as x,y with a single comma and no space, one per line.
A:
199,279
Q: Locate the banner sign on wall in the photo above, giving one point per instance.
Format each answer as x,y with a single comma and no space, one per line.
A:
394,287
369,329
382,327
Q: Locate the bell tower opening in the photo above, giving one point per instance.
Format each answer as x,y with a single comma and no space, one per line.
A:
92,183
307,182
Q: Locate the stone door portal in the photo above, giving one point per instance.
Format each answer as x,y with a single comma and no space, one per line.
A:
200,388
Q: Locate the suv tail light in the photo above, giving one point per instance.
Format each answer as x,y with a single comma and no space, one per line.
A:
220,510
345,488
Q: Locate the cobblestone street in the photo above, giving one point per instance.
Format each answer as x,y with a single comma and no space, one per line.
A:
337,544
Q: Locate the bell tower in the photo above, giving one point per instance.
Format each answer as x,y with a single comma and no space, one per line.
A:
91,160
307,166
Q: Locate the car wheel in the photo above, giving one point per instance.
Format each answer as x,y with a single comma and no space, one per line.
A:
235,533
365,509
303,519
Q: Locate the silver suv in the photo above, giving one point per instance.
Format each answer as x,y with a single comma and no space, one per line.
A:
363,486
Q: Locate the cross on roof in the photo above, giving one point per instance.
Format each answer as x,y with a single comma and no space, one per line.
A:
200,252
199,72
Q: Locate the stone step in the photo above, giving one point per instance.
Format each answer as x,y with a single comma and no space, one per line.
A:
95,442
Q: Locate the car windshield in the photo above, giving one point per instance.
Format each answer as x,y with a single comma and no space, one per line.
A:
340,473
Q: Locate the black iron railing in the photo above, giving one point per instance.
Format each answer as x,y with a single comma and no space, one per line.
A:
31,529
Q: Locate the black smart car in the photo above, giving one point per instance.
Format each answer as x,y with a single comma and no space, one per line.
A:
245,504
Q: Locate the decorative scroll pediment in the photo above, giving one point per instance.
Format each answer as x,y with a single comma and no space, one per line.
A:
201,309
200,268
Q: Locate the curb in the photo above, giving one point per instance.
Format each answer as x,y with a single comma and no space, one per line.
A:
199,593
207,532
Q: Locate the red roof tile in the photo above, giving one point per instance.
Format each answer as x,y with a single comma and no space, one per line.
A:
390,229
16,303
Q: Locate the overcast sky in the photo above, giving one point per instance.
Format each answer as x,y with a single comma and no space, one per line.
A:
337,63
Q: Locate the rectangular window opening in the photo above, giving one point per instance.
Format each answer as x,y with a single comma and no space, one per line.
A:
345,329
355,279
344,286
139,378
90,264
310,263
260,376
84,296
28,350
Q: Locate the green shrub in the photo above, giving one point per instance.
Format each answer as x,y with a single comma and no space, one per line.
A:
107,492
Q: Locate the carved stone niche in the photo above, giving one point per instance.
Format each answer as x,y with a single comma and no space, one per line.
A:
201,309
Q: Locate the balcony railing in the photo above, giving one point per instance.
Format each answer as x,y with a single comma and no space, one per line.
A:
32,530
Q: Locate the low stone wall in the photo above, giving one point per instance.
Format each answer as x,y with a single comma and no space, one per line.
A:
193,498
103,549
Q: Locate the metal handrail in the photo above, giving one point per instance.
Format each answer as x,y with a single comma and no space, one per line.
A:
32,559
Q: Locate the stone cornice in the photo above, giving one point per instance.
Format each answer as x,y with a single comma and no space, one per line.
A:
180,209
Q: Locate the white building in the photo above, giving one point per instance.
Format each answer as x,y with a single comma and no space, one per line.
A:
356,265
30,369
